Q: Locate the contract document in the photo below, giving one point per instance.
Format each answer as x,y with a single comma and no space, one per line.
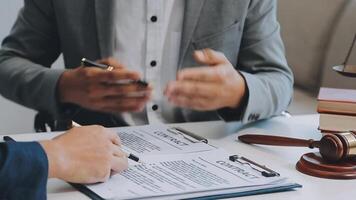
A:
158,140
176,167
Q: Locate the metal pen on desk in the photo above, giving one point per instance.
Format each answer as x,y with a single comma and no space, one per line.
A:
89,63
129,155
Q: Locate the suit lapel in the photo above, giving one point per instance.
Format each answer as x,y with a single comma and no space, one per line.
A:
191,17
104,11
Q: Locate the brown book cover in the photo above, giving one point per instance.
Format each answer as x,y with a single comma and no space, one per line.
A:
337,95
337,101
337,123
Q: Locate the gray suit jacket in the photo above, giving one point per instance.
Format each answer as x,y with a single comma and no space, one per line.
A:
246,31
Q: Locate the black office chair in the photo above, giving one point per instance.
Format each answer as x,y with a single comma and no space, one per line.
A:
44,122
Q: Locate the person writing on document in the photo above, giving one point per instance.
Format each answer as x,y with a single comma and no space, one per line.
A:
204,60
81,155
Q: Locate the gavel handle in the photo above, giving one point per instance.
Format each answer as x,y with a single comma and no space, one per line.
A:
277,141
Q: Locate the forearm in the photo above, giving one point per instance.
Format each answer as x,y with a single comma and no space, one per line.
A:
269,79
54,156
269,95
29,84
26,56
266,95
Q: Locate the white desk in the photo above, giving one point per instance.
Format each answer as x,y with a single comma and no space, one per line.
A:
281,159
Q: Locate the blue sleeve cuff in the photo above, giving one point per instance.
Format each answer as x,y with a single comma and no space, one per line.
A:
23,170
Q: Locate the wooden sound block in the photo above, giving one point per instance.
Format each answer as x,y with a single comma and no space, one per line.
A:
312,164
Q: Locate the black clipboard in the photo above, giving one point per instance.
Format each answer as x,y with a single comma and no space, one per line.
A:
92,195
83,189
266,172
187,134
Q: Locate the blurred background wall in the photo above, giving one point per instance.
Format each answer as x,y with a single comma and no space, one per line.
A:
13,117
317,35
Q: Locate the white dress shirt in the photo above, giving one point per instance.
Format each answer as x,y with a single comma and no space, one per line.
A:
148,35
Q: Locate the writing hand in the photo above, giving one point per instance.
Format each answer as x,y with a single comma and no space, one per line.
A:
85,155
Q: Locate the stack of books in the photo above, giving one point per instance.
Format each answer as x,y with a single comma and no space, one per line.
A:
337,108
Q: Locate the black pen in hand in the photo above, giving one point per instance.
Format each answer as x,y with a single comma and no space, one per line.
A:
133,157
89,63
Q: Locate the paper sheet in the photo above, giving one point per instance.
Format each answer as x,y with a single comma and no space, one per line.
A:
157,140
165,175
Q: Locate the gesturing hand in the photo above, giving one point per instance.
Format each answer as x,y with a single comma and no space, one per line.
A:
85,155
215,85
96,89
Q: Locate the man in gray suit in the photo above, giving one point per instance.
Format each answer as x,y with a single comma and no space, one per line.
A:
204,60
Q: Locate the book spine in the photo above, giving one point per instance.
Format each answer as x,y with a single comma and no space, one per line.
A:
336,101
324,131
335,112
337,123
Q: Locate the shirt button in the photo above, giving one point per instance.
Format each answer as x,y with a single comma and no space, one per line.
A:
153,18
154,107
153,63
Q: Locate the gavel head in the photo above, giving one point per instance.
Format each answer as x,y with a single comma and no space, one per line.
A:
335,147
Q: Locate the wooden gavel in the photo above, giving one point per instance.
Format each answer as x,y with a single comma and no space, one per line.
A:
332,147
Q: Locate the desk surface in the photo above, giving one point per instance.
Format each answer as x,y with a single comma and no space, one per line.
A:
281,159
